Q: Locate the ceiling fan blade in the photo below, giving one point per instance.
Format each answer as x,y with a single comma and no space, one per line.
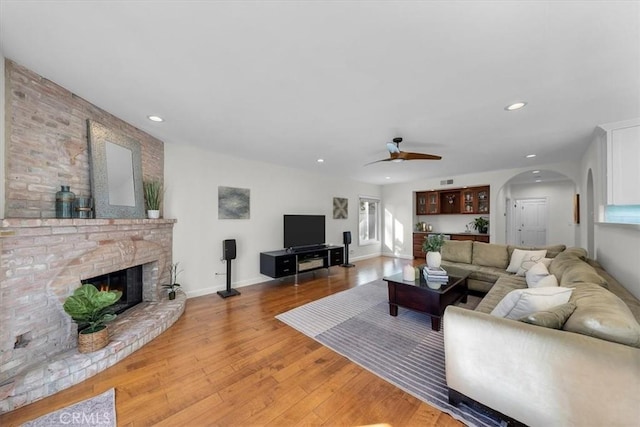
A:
378,161
404,155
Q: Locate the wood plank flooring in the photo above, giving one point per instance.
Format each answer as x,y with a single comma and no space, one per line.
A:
229,362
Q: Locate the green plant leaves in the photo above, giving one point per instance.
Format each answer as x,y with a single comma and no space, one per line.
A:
90,307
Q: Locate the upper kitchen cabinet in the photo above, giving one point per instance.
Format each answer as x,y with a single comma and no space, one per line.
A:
623,158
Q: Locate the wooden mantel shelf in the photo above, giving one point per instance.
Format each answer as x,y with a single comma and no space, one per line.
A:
79,222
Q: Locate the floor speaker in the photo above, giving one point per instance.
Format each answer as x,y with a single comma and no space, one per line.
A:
346,239
228,254
229,249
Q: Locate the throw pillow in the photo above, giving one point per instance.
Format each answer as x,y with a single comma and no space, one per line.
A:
552,318
522,302
535,274
526,265
519,256
547,282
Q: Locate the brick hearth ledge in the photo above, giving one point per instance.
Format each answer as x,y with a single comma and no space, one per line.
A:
130,331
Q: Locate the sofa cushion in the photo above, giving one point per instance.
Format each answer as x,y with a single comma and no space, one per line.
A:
522,302
490,255
553,318
569,258
487,274
581,273
601,314
502,287
457,251
520,257
618,290
552,250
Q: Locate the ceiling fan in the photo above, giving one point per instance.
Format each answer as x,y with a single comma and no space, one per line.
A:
395,155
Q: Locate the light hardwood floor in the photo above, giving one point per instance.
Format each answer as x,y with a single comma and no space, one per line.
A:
230,362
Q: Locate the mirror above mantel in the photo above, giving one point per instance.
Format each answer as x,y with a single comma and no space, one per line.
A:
116,173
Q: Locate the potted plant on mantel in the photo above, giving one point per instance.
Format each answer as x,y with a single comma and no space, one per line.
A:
91,309
481,224
431,246
152,197
173,284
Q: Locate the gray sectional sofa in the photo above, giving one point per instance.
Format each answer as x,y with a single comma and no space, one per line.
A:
584,373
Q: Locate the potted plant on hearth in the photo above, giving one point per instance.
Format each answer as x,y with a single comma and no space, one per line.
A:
431,246
91,309
152,197
481,224
173,284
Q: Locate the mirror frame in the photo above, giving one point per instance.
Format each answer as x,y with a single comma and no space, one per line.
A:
98,136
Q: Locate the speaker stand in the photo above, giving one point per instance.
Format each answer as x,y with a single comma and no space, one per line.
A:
346,257
228,292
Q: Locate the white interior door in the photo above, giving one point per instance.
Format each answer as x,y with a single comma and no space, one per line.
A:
531,222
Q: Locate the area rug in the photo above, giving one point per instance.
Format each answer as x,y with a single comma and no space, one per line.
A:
96,411
402,350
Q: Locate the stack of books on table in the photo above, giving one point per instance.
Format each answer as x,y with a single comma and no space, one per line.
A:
438,274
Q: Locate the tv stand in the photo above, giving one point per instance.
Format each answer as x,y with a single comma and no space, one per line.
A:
299,249
293,261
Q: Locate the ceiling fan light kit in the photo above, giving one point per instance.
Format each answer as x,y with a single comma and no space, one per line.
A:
397,156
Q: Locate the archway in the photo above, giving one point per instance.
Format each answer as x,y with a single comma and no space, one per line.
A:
555,188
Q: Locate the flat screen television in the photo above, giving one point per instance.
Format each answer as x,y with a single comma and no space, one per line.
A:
304,230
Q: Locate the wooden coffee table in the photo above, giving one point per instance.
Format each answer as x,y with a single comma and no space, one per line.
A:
418,295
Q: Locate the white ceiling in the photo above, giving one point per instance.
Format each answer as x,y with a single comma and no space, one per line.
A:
288,82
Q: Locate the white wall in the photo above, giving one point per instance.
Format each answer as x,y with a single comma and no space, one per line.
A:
192,177
398,207
617,246
561,228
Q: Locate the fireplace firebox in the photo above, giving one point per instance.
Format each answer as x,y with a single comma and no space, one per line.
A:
127,281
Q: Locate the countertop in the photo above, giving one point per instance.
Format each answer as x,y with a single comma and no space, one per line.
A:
472,233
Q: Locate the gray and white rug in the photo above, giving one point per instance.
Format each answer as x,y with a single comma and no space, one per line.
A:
402,350
96,411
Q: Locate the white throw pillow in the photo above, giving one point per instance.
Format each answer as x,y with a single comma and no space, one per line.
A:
526,265
546,282
519,256
536,273
522,302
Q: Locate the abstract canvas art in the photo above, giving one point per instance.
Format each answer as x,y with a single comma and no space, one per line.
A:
340,208
233,203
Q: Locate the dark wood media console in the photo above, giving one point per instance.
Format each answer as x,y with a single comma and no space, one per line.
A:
284,263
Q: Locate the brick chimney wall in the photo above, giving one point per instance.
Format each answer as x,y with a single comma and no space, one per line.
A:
47,143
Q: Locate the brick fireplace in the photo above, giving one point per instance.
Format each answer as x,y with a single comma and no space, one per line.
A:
44,261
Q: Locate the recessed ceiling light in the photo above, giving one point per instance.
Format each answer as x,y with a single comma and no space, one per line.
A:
320,160
535,171
538,180
530,156
387,177
515,106
155,118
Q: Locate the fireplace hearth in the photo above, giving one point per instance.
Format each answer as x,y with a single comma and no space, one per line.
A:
44,261
127,281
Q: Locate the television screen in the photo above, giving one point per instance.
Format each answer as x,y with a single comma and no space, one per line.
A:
303,230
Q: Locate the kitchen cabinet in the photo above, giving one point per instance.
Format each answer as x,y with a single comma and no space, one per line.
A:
475,200
472,200
623,173
471,236
421,203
